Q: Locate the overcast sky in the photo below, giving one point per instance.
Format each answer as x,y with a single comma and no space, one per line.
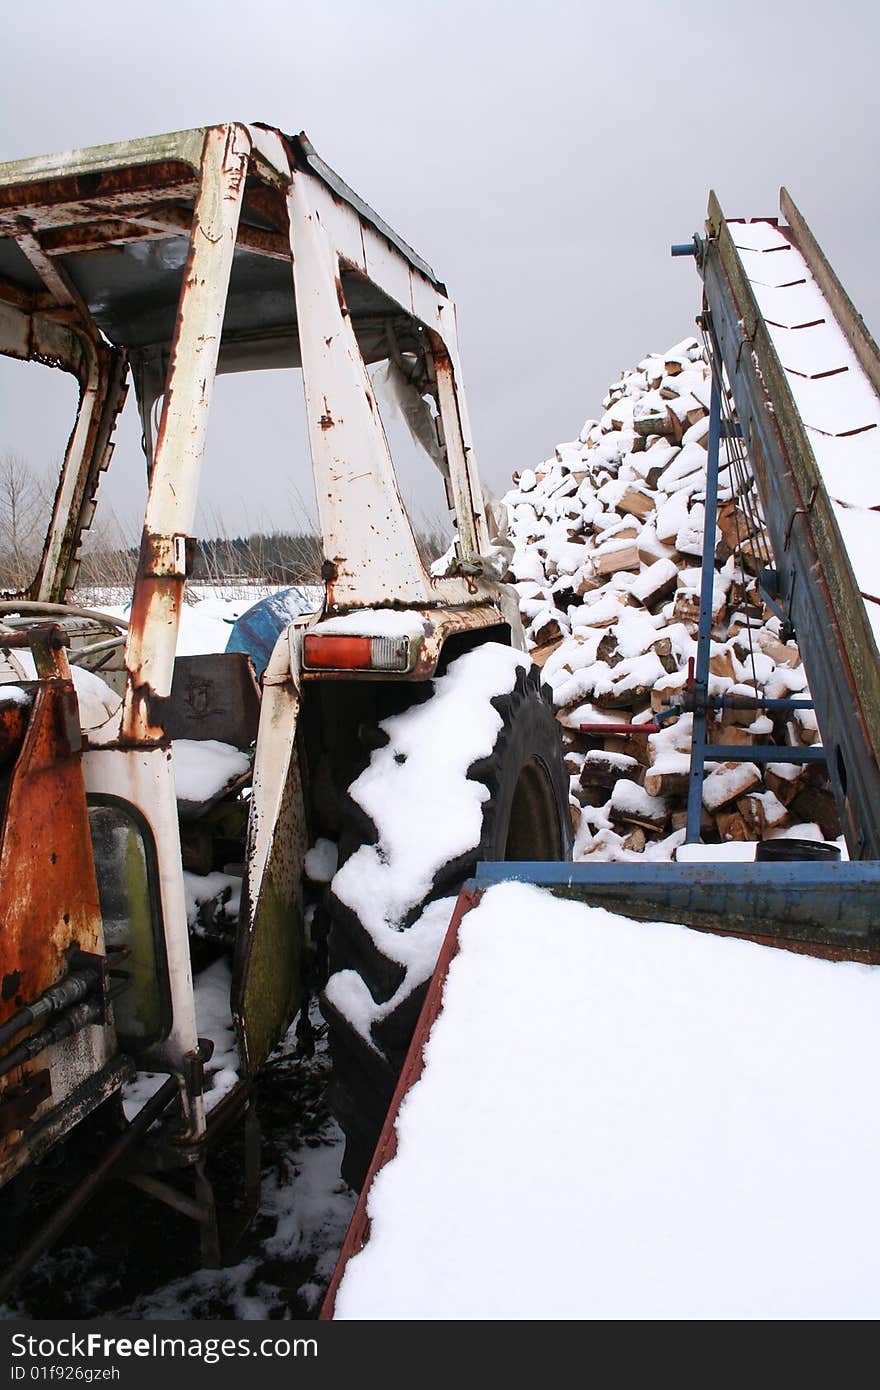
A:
541,157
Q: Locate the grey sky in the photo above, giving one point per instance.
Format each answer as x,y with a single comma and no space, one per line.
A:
542,158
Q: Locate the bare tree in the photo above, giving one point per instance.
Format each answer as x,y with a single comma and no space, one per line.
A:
22,520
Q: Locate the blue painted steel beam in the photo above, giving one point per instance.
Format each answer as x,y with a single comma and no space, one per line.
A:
704,637
834,903
761,753
769,428
759,702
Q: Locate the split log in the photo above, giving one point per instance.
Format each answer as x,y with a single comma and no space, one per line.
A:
655,422
667,784
728,734
678,821
815,804
721,664
540,655
664,691
631,805
785,780
783,653
656,583
636,840
607,650
731,826
634,502
546,632
762,812
605,769
588,794
733,524
726,783
587,584
613,561
633,745
652,549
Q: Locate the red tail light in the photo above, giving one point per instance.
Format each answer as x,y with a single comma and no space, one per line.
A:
338,653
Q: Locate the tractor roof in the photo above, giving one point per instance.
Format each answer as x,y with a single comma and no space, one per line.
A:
116,218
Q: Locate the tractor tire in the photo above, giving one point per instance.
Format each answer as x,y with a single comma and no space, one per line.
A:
524,817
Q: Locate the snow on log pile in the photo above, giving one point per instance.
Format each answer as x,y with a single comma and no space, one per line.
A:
608,536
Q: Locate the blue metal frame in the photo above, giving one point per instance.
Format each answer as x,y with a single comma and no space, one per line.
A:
742,343
832,903
761,753
698,698
704,637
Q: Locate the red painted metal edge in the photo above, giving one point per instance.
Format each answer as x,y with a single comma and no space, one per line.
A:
359,1227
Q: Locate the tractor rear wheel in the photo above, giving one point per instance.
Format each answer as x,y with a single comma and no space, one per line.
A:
379,973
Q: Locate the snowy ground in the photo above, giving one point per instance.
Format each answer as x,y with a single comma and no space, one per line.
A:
278,1269
282,1264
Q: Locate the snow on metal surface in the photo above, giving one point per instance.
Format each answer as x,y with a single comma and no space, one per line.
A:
831,389
373,622
205,767
650,1147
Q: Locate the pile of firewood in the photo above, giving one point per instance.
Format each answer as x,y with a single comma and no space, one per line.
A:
608,537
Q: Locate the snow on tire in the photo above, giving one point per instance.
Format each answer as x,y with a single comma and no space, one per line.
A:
473,772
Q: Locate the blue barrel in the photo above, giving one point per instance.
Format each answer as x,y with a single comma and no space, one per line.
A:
257,630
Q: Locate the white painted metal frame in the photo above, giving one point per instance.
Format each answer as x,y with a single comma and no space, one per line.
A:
366,531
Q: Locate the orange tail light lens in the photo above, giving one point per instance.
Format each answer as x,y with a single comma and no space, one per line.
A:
343,653
338,653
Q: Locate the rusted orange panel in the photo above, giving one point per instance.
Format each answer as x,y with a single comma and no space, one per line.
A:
48,886
91,196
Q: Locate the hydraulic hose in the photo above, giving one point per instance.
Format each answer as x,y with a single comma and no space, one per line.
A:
80,1016
71,990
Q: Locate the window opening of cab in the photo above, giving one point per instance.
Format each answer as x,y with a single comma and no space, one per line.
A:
407,407
256,521
108,553
38,407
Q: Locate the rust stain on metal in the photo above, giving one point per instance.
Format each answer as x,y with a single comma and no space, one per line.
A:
50,893
85,197
340,295
95,236
20,1101
159,584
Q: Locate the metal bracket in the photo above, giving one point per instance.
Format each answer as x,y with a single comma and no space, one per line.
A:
799,511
